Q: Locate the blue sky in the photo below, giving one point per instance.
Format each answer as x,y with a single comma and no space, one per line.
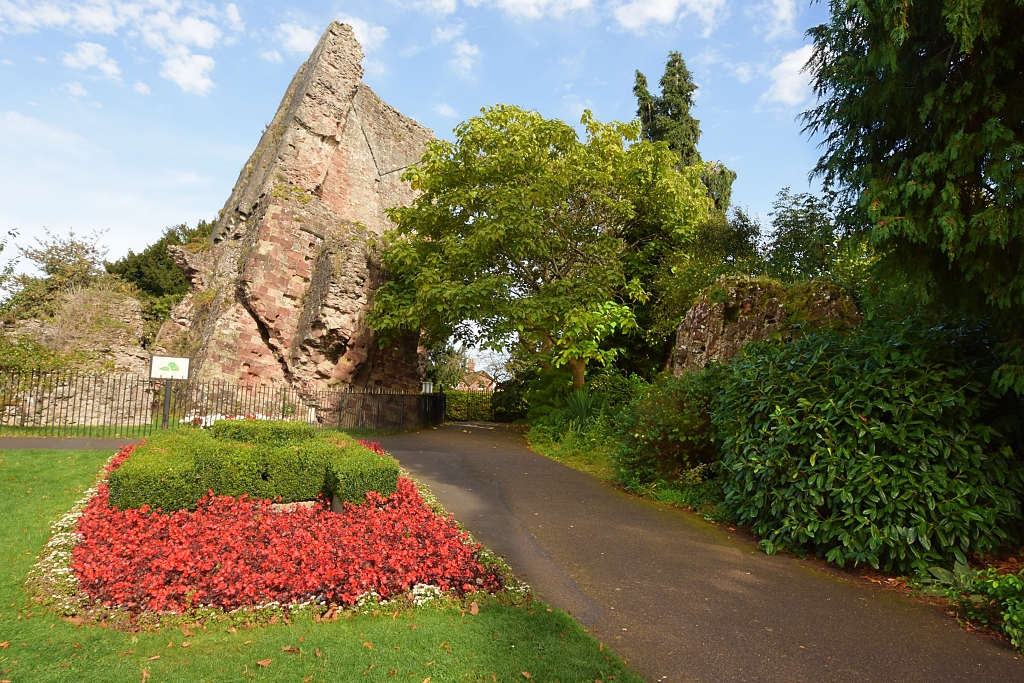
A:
132,115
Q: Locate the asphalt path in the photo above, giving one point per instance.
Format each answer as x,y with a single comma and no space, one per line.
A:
678,598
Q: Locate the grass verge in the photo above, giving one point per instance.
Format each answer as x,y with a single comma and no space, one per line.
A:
440,642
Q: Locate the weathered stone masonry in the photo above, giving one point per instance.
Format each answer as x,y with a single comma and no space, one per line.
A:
282,295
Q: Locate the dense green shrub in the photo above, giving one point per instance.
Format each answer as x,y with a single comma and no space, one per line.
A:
985,596
667,429
883,446
467,405
263,459
277,432
359,471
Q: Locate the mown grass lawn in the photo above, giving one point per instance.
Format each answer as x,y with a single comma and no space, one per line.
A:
500,643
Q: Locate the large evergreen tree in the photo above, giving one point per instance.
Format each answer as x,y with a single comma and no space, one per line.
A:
921,106
666,118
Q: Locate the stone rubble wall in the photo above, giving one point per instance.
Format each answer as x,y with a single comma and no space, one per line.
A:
736,311
282,295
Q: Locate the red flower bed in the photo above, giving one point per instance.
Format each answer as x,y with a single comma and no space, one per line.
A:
239,552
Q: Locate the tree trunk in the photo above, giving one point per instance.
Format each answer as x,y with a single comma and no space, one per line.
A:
578,367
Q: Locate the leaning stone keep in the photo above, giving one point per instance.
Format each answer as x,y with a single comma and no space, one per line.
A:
281,296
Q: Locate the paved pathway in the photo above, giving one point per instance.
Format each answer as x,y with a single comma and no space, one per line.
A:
678,598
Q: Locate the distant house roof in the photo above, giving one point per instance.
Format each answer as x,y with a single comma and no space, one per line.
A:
475,380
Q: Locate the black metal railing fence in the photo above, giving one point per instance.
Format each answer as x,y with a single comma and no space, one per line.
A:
127,405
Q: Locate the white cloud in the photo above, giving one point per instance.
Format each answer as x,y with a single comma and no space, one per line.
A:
298,39
41,60
535,9
410,51
743,72
172,28
189,72
92,54
234,19
446,110
369,36
637,14
465,57
441,7
575,107
141,88
6,62
271,55
790,84
775,18
374,67
74,89
446,34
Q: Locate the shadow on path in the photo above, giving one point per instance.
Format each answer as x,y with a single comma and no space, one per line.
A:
679,599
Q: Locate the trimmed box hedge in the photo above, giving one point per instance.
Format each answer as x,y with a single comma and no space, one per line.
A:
262,459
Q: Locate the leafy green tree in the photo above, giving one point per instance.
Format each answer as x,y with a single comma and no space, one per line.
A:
666,118
153,270
520,231
921,108
64,262
161,284
446,366
720,245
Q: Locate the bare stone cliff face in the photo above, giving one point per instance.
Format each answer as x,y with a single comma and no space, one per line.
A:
740,310
282,295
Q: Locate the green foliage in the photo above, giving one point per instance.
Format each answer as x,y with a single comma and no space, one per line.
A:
265,432
468,405
666,118
667,431
271,460
160,282
919,108
883,446
520,231
446,366
720,246
986,596
67,262
20,355
581,407
359,471
152,270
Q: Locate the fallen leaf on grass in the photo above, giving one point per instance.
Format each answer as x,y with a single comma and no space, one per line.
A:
369,670
232,629
430,662
319,653
368,646
5,644
526,674
185,644
170,644
128,652
185,632
307,679
145,675
494,678
154,658
426,680
248,642
265,662
412,626
290,648
474,608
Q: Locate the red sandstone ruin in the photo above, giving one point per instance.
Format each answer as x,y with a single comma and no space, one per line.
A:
281,296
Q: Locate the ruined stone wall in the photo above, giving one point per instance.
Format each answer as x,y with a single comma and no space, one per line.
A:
282,295
736,311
